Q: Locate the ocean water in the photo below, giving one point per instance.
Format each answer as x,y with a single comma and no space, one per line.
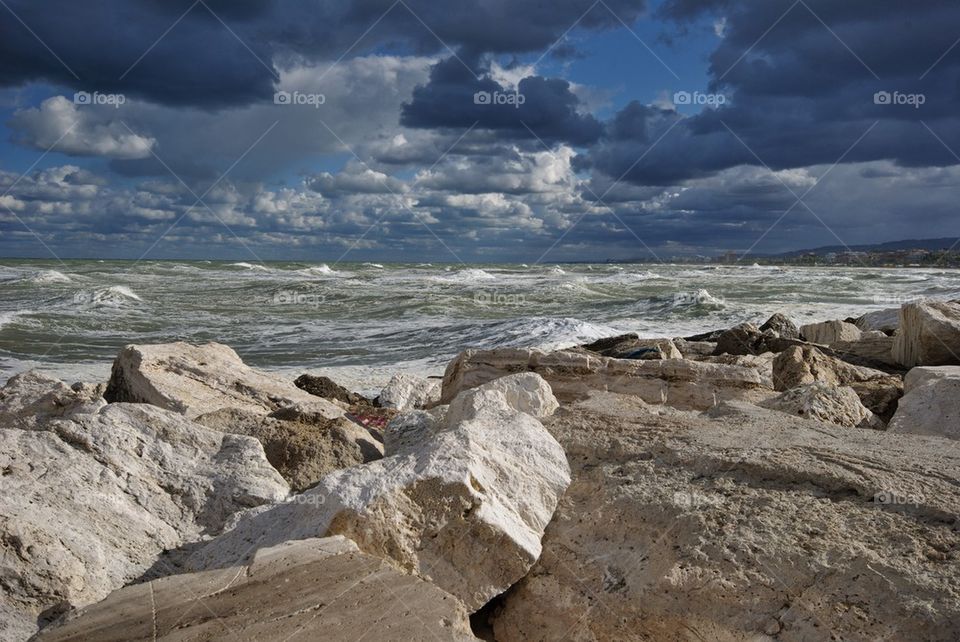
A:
360,322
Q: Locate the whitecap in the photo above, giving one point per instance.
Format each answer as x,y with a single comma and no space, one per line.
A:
557,270
469,275
49,276
6,318
320,270
251,266
114,295
374,265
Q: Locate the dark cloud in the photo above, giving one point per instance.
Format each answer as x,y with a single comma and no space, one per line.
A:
218,53
455,98
800,86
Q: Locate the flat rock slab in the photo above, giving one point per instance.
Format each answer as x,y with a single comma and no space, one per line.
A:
574,374
196,380
316,589
742,524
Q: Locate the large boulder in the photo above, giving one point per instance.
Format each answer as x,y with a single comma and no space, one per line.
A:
89,503
931,403
31,398
873,347
573,374
316,589
195,380
464,507
829,332
743,525
838,405
303,449
929,335
409,392
631,346
803,365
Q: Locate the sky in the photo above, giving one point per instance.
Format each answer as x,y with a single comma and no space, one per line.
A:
484,131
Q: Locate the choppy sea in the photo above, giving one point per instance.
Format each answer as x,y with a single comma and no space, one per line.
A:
360,322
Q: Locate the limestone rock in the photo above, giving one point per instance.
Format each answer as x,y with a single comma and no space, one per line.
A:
869,346
316,589
464,508
886,321
196,380
31,398
931,405
302,450
631,346
574,374
525,392
694,349
782,326
327,388
830,332
798,366
838,405
746,525
929,335
89,503
409,392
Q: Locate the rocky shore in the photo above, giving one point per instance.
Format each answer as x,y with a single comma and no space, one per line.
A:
767,482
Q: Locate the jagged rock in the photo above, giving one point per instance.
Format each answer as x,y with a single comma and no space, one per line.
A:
838,405
762,363
409,392
465,507
631,346
886,321
782,326
745,525
830,332
31,398
90,502
929,335
931,405
525,392
196,380
302,449
799,366
743,339
328,389
573,374
312,589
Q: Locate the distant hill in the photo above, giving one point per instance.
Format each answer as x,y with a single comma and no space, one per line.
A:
890,246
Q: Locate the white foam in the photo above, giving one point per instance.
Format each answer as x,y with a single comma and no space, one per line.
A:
470,275
251,266
374,265
6,318
49,276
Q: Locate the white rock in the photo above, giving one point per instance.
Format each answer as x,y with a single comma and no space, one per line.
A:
196,380
572,374
31,398
929,335
830,332
464,508
838,405
409,392
525,392
89,503
931,405
315,589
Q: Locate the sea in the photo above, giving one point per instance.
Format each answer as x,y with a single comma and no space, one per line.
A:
361,322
